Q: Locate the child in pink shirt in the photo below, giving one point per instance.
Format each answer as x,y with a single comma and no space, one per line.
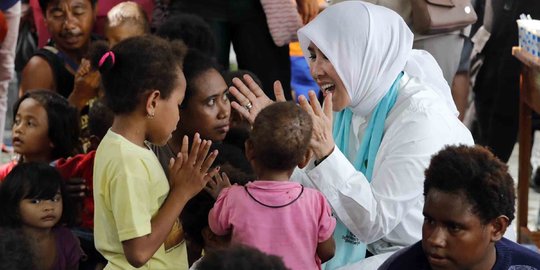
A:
272,214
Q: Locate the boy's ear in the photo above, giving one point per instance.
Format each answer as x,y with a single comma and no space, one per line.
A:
305,159
151,103
498,227
249,150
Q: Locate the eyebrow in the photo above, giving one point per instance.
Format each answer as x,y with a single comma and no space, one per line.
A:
217,95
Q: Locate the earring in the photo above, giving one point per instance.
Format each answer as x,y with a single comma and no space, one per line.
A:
150,115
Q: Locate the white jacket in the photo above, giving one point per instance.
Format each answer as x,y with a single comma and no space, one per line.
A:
390,208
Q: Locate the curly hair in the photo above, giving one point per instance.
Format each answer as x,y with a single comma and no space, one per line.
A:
280,135
240,258
31,180
196,64
140,64
62,118
191,29
477,174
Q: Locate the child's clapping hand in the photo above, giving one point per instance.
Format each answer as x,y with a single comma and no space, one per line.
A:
217,184
189,171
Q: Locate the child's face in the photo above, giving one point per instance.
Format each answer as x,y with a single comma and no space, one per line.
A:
167,113
41,213
453,237
70,23
31,131
121,32
208,110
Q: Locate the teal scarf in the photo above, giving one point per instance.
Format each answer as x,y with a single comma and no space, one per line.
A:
348,248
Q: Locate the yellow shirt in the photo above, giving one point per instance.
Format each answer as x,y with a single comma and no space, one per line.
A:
129,188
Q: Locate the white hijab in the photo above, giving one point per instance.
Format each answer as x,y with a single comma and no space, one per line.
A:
369,46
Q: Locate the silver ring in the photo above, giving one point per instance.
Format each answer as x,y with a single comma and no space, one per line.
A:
248,106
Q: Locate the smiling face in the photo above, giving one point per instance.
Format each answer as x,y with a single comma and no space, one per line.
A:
41,213
325,75
453,237
70,23
31,132
208,110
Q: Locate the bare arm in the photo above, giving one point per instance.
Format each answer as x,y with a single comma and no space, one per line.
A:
326,249
308,9
37,74
188,177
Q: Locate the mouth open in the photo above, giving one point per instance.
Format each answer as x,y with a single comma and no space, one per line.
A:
16,141
328,88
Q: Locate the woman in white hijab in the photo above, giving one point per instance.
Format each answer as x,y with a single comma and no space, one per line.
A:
393,111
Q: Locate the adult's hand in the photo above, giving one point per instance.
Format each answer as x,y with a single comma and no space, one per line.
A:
322,142
76,188
308,9
251,99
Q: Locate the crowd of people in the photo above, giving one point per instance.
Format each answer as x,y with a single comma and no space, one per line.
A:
141,148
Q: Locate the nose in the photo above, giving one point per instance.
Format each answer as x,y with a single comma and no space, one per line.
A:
437,237
48,205
224,107
315,69
70,22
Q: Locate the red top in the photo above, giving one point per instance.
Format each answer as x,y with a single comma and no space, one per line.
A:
81,166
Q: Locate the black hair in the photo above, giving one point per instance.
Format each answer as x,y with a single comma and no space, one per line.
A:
195,216
16,252
100,119
43,4
196,64
140,64
30,180
229,75
191,29
233,162
477,174
280,136
62,119
240,258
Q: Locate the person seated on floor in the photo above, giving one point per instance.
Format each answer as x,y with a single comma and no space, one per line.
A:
54,66
469,203
45,128
206,110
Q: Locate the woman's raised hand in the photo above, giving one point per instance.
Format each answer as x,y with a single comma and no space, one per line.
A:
322,141
251,99
189,171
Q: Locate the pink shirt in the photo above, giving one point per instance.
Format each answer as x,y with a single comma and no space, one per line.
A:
291,232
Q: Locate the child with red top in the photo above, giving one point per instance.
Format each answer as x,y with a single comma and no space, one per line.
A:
275,215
